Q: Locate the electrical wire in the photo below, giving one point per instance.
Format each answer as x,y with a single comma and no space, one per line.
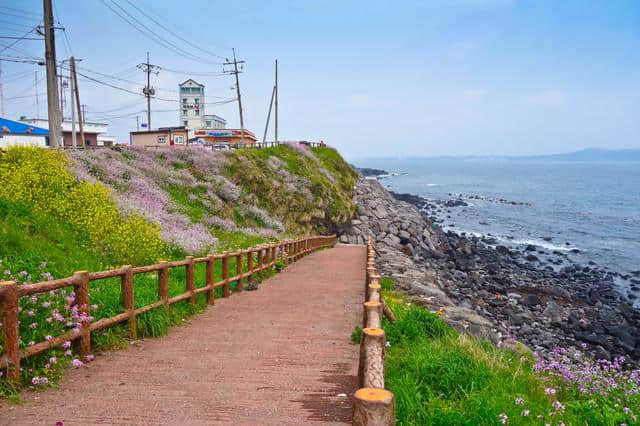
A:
149,32
168,29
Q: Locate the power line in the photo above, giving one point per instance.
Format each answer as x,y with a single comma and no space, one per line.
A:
21,11
168,29
149,32
21,38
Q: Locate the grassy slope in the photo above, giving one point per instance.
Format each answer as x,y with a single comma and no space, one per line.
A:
309,192
441,377
37,240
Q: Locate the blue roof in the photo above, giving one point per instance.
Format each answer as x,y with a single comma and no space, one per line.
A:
15,127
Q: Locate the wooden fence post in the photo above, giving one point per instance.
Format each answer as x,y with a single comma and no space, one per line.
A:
81,287
250,266
11,342
273,256
211,294
239,270
374,407
373,372
372,314
127,294
163,282
225,274
190,269
259,258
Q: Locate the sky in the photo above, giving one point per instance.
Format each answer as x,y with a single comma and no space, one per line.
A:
371,78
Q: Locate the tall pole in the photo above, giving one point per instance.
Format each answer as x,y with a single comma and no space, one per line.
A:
1,93
137,123
148,94
235,68
266,126
52,79
37,102
74,143
276,117
148,90
80,107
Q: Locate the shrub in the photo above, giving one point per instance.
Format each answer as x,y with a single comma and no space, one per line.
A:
40,178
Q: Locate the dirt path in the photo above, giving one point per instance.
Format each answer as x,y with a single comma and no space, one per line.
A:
280,355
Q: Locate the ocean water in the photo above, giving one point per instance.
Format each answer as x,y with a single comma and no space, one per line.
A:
592,206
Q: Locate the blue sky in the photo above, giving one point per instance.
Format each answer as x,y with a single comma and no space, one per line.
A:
375,78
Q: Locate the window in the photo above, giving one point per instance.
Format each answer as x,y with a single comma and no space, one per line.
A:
208,123
162,139
185,123
184,112
197,112
196,101
179,140
194,90
184,100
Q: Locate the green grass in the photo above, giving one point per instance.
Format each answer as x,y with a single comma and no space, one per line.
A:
27,239
442,377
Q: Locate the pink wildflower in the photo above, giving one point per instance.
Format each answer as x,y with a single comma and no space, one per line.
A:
66,345
550,391
77,363
53,360
519,401
525,413
48,338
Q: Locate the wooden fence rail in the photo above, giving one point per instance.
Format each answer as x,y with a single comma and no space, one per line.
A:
373,404
259,258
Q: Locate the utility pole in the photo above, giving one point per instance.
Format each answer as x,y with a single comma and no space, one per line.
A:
266,126
80,107
137,123
37,103
1,93
276,92
52,80
236,72
148,90
74,143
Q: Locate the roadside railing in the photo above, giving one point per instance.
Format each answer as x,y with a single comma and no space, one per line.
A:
373,404
259,258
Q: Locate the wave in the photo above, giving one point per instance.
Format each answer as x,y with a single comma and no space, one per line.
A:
432,184
524,242
539,243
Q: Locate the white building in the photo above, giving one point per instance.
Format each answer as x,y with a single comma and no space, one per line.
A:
192,110
16,133
91,130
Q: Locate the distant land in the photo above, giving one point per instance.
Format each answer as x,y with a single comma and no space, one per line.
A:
589,154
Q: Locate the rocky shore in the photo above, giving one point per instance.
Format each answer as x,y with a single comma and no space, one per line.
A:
491,290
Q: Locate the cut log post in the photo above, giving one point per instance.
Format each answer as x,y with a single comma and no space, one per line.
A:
126,288
373,292
81,288
372,315
163,282
373,407
274,256
211,294
250,267
190,269
11,339
239,270
373,371
225,275
388,313
370,272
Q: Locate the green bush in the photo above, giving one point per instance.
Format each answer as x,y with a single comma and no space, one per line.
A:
40,178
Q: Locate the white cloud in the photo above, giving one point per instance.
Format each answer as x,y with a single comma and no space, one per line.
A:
548,98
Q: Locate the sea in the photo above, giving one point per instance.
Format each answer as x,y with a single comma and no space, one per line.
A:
589,210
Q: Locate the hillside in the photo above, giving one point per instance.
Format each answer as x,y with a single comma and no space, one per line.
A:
127,205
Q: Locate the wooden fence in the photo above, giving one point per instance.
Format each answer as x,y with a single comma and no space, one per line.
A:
257,259
373,404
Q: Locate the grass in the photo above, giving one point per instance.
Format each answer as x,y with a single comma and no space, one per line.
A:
442,377
28,238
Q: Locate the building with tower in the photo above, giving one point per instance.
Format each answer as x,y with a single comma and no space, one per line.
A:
192,108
